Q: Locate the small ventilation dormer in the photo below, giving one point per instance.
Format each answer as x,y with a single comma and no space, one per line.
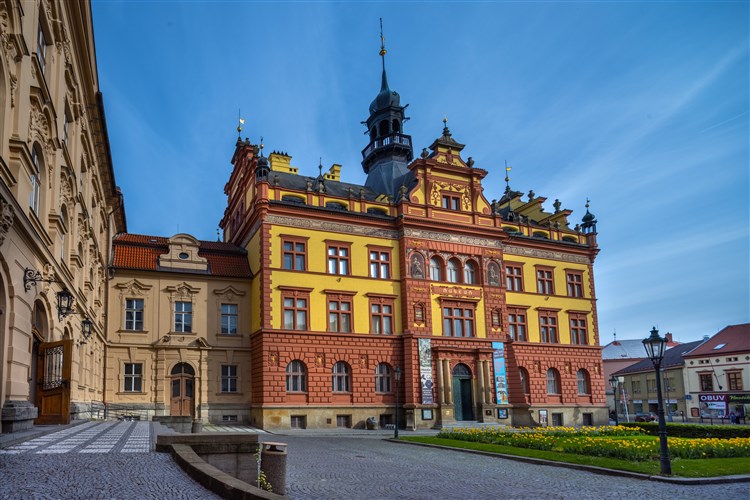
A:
183,254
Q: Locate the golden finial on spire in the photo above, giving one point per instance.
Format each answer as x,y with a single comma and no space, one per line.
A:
382,40
240,122
261,145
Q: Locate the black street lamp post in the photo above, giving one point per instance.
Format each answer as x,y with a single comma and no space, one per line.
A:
398,380
655,350
614,383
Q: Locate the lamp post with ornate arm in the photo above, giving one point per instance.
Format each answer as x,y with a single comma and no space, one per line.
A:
655,350
614,383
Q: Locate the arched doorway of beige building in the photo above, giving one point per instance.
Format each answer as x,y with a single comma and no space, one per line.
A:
182,391
463,402
50,367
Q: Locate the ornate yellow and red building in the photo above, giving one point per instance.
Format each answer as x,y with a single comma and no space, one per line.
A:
412,287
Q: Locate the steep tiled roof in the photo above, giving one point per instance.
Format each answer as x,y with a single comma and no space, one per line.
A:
672,357
141,252
735,338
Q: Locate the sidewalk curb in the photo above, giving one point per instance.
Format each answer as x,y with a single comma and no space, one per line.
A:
591,468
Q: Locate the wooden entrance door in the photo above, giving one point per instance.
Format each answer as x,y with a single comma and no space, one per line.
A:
463,406
53,382
183,389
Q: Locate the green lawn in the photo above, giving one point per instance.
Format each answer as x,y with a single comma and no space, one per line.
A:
680,466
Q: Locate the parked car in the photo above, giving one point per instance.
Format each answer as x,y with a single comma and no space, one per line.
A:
645,417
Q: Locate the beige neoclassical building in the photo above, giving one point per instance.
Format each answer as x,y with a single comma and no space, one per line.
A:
59,207
179,329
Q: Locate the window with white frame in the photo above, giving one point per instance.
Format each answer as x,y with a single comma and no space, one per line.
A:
229,319
183,317
133,377
134,314
41,48
228,378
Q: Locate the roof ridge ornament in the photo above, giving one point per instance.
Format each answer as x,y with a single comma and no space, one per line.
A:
383,52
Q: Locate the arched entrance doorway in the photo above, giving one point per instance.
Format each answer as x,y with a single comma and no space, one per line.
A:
462,399
183,389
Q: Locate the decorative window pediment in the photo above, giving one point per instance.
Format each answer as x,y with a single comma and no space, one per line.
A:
183,291
229,293
133,288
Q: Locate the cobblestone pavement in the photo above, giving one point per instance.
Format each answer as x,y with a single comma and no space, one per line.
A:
94,460
367,468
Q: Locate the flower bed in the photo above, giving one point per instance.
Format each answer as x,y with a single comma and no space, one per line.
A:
611,441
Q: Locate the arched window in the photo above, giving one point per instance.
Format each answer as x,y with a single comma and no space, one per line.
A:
584,382
385,128
461,370
396,126
35,178
436,269
553,381
183,369
383,378
470,273
453,271
296,377
341,377
523,374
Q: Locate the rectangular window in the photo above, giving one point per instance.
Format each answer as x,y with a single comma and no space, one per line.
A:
381,317
343,421
133,377
458,321
451,202
35,182
734,380
294,255
588,419
575,283
134,314
380,264
229,319
578,331
295,313
548,327
228,378
495,320
707,382
41,48
298,421
183,317
544,281
517,324
651,385
557,420
340,315
514,277
338,259
635,386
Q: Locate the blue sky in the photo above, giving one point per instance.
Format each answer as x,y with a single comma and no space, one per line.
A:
641,106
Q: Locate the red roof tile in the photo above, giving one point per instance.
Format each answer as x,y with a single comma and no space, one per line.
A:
734,338
141,252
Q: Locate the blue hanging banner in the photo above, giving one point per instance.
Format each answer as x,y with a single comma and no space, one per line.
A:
501,381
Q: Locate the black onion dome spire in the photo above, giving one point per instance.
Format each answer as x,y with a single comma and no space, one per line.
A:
386,157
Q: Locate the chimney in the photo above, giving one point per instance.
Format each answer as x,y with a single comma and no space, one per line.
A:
668,336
